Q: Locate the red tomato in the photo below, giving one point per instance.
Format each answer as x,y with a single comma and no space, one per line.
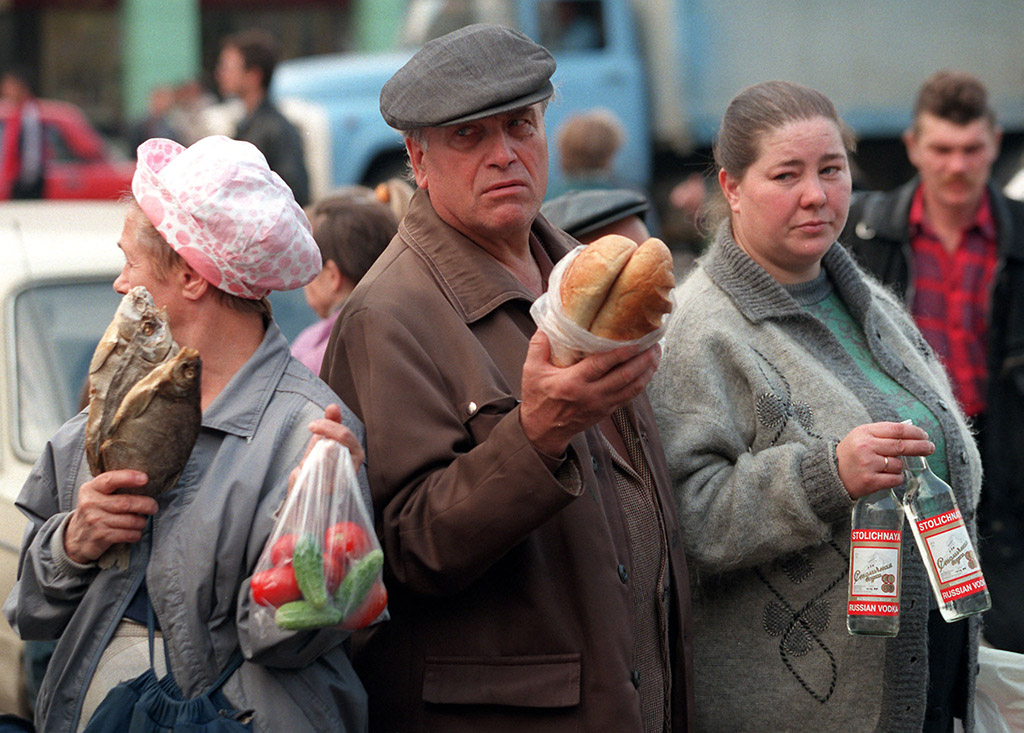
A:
283,549
334,572
346,541
372,607
275,586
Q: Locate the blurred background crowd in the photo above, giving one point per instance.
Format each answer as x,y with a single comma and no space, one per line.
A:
84,83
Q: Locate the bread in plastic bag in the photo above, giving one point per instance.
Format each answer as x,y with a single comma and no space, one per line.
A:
321,565
571,342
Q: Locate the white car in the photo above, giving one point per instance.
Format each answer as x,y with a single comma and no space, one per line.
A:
58,260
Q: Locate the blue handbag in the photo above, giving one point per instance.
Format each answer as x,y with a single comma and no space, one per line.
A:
148,704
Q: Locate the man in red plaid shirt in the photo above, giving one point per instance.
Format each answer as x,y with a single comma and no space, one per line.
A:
952,245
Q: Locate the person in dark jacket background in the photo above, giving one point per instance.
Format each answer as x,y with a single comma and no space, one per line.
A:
952,246
244,69
23,154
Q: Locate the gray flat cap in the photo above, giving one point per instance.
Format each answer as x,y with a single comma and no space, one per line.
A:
582,212
474,72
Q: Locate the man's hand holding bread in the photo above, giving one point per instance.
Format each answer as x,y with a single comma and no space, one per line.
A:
617,291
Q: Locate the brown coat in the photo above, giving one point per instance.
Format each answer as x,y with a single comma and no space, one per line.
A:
510,607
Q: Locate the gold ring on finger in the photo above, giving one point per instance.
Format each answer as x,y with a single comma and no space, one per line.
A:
885,466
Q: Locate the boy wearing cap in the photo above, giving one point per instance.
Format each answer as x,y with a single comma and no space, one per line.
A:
211,230
532,553
591,214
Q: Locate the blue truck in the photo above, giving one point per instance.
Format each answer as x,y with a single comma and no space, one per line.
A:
667,69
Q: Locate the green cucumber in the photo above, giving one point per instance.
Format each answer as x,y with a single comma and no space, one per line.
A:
308,561
361,576
304,615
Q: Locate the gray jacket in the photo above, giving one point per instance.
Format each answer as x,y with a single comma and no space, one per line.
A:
752,395
197,556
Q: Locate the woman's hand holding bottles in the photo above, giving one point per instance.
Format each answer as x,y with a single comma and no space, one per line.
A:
869,457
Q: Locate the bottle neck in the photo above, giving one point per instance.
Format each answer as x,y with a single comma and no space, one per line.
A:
915,464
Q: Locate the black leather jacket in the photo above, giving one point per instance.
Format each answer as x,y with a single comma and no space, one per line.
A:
877,233
281,145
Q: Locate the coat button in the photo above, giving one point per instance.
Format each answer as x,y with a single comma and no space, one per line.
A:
593,460
664,594
643,437
635,677
471,407
864,231
675,538
623,573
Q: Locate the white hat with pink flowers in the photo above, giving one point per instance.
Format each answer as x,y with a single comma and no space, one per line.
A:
230,217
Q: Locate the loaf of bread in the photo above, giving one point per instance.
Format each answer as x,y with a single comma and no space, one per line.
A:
618,290
589,278
638,301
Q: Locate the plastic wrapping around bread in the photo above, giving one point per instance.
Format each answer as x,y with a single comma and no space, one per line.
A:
571,342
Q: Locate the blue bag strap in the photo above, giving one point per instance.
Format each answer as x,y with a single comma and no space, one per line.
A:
151,628
234,663
150,625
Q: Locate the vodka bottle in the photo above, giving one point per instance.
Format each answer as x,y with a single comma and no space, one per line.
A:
943,541
873,606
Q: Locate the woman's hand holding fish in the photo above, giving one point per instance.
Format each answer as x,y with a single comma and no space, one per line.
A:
103,518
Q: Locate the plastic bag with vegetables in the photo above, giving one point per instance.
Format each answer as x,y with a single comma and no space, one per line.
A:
322,564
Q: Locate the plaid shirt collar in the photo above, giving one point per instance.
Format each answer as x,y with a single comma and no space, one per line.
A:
983,222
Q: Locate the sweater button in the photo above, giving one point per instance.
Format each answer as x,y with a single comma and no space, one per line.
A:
634,676
623,573
943,406
963,457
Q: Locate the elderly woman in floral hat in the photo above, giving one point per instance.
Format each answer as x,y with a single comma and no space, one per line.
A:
210,232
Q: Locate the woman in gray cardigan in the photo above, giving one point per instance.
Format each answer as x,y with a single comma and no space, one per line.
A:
785,375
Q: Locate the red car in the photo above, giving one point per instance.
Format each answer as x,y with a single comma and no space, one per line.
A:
79,165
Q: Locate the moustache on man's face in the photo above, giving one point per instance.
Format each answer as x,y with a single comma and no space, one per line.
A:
958,178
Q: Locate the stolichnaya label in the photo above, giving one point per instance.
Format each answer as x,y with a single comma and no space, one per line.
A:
874,572
951,555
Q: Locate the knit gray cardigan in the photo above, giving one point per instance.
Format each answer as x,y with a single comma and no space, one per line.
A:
752,395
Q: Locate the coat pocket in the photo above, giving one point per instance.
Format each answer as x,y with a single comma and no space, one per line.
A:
481,414
549,681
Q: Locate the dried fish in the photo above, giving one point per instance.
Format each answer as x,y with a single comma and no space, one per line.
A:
154,430
137,339
157,423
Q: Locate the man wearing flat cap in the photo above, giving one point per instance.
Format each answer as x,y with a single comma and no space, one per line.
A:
533,557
